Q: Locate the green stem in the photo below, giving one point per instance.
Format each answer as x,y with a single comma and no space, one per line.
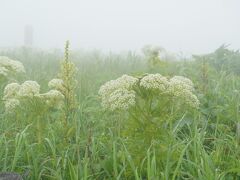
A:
38,130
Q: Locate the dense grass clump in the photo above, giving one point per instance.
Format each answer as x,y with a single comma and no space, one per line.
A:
161,120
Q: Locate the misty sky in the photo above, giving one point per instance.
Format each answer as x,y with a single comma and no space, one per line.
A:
189,26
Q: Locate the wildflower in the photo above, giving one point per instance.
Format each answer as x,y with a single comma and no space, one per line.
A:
11,90
29,89
11,104
193,101
68,75
14,91
11,65
182,81
3,71
182,88
125,81
54,98
155,82
56,84
121,99
118,94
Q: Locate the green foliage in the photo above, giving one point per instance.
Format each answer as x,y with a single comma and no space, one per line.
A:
223,59
67,74
151,123
155,141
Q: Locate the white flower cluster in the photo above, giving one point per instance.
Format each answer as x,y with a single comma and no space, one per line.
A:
118,94
155,82
121,99
182,82
29,89
56,84
8,66
178,86
11,91
182,87
54,98
14,93
3,71
11,104
126,82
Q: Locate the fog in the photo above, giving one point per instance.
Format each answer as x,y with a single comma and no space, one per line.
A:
188,26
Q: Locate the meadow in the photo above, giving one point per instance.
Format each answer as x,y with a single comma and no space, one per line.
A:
98,133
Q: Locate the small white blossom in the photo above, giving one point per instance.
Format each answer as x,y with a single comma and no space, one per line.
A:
155,82
125,81
11,104
56,84
53,94
11,90
14,93
54,98
182,87
3,71
179,82
117,94
121,99
193,101
29,89
17,67
11,65
188,97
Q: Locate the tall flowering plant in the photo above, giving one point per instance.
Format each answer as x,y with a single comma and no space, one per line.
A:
68,85
10,68
26,99
153,103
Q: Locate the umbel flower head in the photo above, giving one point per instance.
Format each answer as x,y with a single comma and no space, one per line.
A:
180,82
124,82
15,93
29,89
9,66
120,94
11,91
3,71
155,82
11,104
56,84
182,87
54,98
120,99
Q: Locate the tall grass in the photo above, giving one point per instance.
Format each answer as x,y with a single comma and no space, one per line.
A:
207,144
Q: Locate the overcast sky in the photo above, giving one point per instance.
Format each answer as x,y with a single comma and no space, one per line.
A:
189,26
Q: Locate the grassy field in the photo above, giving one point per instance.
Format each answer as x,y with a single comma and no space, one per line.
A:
95,143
